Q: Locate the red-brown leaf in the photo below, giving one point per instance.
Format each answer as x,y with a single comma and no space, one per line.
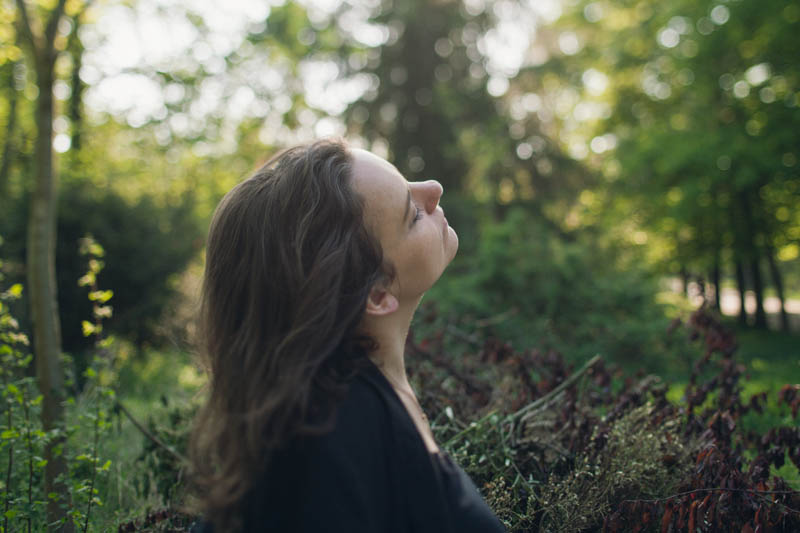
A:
666,520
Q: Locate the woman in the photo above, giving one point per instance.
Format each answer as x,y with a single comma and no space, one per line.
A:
314,268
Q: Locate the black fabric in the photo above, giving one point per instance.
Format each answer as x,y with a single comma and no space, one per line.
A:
371,474
468,509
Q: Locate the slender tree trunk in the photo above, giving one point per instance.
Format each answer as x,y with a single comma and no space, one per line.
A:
41,260
684,281
715,280
758,289
742,286
8,144
777,280
75,115
42,287
754,258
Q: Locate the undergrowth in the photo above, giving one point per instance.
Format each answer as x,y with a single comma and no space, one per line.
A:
560,450
552,448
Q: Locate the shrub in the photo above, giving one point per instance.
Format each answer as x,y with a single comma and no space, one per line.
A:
147,243
529,287
22,439
555,450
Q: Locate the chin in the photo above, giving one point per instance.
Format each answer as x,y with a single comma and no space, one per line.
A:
452,243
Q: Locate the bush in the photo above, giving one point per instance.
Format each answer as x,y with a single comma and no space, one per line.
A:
527,286
554,450
23,440
147,243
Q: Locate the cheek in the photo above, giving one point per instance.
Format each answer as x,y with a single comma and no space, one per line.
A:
420,263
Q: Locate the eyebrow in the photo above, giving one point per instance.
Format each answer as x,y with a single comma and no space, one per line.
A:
408,206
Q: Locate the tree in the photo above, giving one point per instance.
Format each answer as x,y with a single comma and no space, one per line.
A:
703,102
39,33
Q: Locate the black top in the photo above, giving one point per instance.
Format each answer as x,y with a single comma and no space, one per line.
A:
469,511
371,474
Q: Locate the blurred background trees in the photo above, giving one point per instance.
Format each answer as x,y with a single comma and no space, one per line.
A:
591,151
662,138
702,96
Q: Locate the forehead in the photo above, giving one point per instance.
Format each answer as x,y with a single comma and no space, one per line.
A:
375,179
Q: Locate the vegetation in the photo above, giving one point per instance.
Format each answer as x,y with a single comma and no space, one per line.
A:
589,149
601,450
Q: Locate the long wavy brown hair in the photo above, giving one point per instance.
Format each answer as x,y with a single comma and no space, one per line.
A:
289,266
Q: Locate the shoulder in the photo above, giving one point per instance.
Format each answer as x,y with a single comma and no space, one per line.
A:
341,477
363,434
367,406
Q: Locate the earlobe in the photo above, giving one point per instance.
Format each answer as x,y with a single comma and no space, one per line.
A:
381,302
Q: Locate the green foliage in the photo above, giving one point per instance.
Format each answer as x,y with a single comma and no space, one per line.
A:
160,472
147,244
556,450
630,464
532,288
702,99
165,233
22,439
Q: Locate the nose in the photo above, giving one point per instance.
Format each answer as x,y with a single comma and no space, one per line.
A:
432,191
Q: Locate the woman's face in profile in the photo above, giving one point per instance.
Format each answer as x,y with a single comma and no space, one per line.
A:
407,220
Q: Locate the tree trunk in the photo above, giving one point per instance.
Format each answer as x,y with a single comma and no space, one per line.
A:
754,256
684,281
777,280
40,265
76,98
715,275
758,289
741,285
42,287
8,147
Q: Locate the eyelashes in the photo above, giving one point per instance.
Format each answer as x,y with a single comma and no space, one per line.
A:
418,214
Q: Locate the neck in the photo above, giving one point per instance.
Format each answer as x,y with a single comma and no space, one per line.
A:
391,332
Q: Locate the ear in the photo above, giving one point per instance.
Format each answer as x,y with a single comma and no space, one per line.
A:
381,302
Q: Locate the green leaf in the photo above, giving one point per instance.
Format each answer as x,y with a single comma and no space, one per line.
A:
9,434
15,291
101,296
88,328
96,250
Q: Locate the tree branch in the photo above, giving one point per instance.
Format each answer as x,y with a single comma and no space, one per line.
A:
718,489
472,385
27,29
52,25
150,436
553,393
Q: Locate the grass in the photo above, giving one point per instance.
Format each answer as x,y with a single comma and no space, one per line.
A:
145,385
771,360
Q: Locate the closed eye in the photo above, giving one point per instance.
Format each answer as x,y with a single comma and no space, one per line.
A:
417,215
